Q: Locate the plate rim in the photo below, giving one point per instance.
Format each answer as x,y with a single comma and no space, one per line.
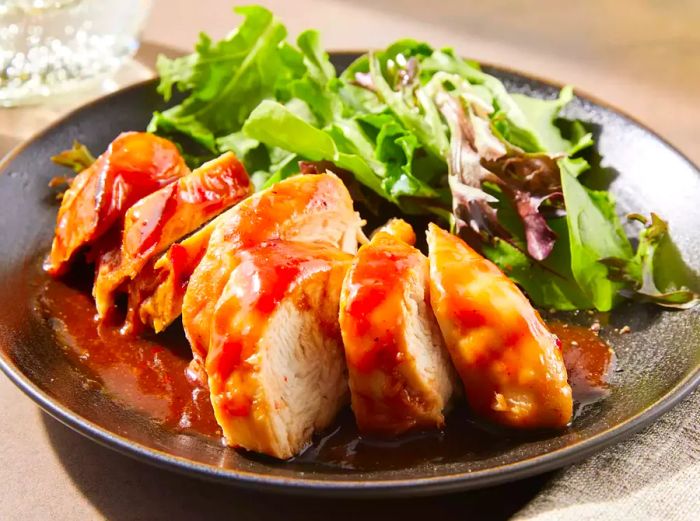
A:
460,481
351,487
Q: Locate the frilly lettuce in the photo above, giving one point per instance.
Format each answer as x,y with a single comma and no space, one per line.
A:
433,134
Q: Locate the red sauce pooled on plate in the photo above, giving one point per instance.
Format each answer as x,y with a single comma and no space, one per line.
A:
145,373
148,374
589,361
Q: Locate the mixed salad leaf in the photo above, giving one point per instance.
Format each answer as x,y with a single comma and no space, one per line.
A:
431,133
77,158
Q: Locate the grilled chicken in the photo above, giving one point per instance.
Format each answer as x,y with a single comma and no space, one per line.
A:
275,365
165,216
510,364
312,208
155,295
134,165
400,373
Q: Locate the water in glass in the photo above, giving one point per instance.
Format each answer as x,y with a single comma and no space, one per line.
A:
50,47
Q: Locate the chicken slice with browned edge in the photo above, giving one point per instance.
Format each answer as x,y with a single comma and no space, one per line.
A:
134,165
275,365
510,364
156,293
400,372
165,216
310,208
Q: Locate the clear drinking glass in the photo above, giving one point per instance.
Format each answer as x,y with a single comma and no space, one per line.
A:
50,47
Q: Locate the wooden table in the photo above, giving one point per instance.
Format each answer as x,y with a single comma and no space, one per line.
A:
643,56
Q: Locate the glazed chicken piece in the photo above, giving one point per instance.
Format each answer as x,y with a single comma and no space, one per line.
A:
165,216
311,208
134,165
155,295
510,364
275,365
400,372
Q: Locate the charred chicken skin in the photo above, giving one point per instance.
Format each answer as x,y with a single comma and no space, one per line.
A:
165,216
312,208
275,364
510,364
134,165
400,373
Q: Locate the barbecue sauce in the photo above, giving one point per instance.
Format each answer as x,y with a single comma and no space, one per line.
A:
148,373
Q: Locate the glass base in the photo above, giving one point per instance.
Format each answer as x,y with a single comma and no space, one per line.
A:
51,47
35,92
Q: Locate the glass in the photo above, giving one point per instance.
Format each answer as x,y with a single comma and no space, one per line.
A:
50,47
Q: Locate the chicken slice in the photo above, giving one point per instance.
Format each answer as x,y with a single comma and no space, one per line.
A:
134,165
312,208
400,372
275,365
510,364
165,216
156,293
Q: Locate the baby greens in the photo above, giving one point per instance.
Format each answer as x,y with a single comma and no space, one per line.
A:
431,133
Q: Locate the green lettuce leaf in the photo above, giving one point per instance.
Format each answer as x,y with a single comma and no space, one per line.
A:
395,147
386,121
656,273
547,288
542,113
595,233
314,87
274,124
77,158
509,117
415,110
224,81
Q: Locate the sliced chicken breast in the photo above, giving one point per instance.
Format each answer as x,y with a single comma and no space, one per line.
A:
400,372
134,165
156,293
165,216
510,364
275,365
312,208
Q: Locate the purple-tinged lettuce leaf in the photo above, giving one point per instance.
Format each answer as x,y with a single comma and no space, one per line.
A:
477,156
470,203
532,182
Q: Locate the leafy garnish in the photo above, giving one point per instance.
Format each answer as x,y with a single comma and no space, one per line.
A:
640,275
470,141
594,233
226,80
275,125
477,156
433,134
77,158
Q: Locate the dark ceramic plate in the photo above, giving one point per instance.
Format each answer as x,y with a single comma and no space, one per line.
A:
659,360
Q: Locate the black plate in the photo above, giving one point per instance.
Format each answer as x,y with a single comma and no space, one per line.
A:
660,359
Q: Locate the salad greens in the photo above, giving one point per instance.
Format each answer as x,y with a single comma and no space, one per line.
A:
77,158
431,133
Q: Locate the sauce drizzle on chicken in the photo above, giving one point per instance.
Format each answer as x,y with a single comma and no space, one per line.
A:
148,374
